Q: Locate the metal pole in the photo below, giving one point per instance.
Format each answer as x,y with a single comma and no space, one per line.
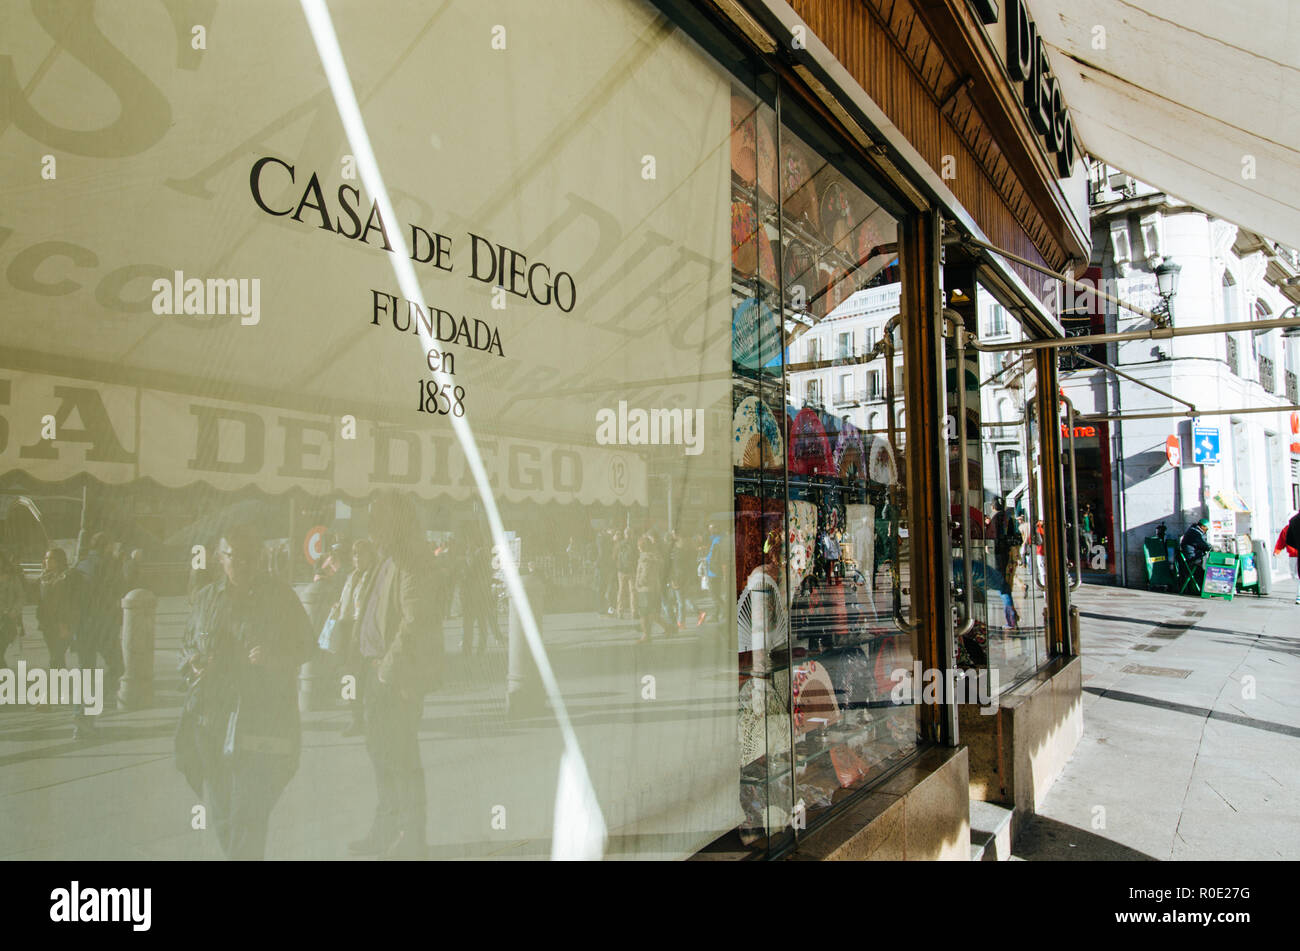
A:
1155,333
927,457
1187,414
1074,495
1049,441
1133,379
1142,311
968,592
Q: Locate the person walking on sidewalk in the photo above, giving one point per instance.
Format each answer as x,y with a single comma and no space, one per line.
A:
400,639
625,558
1290,541
649,581
58,612
239,739
11,604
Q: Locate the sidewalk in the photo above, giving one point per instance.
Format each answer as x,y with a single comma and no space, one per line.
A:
1191,745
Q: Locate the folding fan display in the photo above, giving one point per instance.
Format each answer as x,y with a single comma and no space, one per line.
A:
814,699
880,464
849,457
753,149
761,622
755,335
751,248
763,724
797,193
810,451
756,436
835,211
802,520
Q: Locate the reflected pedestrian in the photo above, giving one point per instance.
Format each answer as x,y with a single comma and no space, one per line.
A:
11,604
240,738
400,641
649,581
58,610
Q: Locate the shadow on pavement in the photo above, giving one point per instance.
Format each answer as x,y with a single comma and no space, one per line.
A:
1283,728
1046,840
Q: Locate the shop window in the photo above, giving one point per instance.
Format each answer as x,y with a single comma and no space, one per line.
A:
1002,515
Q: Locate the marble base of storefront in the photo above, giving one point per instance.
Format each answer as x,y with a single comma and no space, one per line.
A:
1017,753
920,813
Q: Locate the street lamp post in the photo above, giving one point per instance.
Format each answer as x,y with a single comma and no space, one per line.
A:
1167,284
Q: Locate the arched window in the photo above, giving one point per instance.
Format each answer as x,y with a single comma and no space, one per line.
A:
1006,414
1231,314
1262,312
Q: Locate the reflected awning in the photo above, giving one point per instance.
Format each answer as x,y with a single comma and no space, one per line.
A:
1190,96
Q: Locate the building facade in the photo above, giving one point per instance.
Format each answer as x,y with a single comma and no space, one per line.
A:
1231,392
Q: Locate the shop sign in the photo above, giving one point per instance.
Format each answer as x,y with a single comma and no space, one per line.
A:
1080,432
1295,433
1040,91
117,434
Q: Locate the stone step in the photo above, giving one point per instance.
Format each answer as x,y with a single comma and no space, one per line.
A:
990,832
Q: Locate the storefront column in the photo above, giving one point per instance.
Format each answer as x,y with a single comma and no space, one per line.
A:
1053,489
927,461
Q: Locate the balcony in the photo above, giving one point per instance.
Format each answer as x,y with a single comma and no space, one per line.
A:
1267,378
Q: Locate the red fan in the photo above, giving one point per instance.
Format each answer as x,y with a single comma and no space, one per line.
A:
810,450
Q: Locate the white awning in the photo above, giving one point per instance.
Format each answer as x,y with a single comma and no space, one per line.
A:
1193,97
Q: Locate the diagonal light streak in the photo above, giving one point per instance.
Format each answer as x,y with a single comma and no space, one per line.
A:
580,827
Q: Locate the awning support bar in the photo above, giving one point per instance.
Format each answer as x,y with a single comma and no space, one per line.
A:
1102,417
1155,333
1133,379
976,242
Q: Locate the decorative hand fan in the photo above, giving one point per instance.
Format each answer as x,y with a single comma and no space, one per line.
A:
880,464
802,519
744,247
836,212
850,459
755,335
757,442
744,151
797,193
814,698
761,622
762,724
810,451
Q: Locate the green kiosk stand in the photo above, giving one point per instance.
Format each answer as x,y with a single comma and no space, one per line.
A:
1220,575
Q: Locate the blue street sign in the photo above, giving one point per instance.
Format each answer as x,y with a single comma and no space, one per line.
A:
1205,445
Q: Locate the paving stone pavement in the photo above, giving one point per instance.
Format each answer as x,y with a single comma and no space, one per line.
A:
1191,745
